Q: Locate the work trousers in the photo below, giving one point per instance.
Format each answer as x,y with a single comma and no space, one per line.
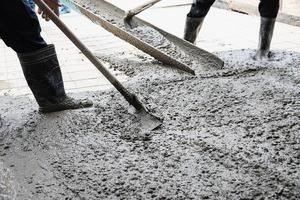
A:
19,27
267,8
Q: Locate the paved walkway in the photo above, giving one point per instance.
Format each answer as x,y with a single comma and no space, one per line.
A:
223,30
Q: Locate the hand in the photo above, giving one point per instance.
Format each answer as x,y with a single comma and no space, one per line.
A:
53,5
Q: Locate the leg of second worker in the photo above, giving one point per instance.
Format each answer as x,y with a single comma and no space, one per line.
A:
195,18
268,10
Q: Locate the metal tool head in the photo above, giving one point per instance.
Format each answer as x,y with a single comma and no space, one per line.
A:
137,10
148,122
129,22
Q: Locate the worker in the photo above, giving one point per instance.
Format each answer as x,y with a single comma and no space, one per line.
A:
20,30
268,10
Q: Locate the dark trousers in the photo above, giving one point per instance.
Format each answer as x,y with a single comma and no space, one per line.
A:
267,8
19,27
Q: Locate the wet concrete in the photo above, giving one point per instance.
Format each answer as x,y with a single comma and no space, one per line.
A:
148,38
7,184
227,134
157,40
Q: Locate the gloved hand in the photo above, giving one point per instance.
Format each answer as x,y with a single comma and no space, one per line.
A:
53,5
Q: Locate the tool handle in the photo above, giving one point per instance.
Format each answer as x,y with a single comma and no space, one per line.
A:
131,98
141,8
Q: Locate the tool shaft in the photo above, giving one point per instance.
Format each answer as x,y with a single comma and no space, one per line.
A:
127,95
141,8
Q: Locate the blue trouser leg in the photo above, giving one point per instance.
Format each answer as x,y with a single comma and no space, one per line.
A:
19,27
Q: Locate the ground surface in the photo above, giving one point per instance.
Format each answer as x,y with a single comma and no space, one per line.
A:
234,31
230,133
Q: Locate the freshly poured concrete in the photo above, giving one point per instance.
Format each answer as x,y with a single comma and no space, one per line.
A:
230,133
227,134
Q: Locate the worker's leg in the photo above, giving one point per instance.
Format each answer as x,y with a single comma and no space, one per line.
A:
19,27
268,11
195,18
20,30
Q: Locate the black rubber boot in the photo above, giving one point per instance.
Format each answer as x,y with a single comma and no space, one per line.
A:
192,28
265,36
42,72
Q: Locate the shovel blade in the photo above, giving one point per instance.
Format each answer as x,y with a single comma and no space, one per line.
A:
127,23
148,122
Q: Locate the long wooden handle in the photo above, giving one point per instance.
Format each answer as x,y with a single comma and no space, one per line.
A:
141,8
131,98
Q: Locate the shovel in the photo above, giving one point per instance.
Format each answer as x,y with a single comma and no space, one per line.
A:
137,10
148,121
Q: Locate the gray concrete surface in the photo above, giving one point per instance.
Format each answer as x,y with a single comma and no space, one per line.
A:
231,133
